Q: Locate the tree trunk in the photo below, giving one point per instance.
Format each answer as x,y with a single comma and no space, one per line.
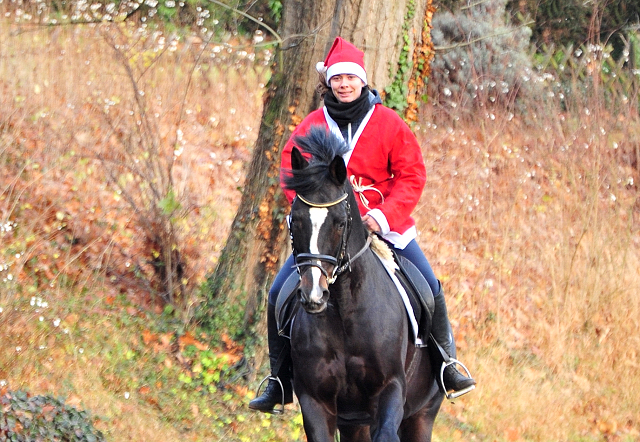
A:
258,241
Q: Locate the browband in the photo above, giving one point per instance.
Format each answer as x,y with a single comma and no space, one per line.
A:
322,205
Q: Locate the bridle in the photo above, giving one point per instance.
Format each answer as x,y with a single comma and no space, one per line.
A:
341,262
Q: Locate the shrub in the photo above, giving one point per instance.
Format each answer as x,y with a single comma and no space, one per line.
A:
43,418
611,21
480,60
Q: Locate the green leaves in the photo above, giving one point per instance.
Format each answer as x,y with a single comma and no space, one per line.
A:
169,204
396,92
27,418
276,9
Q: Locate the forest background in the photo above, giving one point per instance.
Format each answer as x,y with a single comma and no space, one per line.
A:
125,133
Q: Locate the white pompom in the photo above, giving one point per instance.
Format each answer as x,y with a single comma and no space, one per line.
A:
320,67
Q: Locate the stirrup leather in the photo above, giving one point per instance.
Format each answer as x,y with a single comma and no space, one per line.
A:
273,378
454,394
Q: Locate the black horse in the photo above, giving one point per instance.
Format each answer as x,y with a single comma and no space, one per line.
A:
356,368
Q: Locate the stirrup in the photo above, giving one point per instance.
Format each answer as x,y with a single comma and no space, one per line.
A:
454,394
273,378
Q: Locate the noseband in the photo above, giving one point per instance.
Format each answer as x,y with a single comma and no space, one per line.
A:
340,263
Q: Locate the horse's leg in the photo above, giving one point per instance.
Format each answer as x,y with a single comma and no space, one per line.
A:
352,433
419,427
390,412
319,424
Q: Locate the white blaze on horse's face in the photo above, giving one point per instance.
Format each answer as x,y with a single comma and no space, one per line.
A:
318,216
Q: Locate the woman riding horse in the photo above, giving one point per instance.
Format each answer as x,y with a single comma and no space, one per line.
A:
385,167
358,366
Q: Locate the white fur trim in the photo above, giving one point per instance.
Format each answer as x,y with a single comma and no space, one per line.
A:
346,67
401,241
320,67
381,220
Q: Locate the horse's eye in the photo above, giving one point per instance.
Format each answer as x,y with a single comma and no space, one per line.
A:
341,225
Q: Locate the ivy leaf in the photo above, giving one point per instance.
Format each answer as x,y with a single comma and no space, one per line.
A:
169,204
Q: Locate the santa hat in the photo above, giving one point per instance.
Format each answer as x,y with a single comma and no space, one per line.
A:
343,58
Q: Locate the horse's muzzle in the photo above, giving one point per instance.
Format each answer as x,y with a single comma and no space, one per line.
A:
313,307
313,298
313,291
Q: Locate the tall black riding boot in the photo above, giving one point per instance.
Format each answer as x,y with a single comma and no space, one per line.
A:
281,367
441,331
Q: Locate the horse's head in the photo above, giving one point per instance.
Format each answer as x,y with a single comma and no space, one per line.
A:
321,216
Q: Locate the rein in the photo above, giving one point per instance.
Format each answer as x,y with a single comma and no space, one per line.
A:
315,260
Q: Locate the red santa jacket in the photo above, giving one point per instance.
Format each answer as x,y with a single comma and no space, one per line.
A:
386,157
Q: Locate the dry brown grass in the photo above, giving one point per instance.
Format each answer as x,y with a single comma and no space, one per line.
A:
531,222
534,226
67,100
69,239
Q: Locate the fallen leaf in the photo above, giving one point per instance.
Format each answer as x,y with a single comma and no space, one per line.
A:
71,319
607,427
512,434
241,390
148,337
165,339
74,400
188,339
230,358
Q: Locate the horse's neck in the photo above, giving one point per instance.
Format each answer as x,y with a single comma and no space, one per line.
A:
357,237
358,267
349,293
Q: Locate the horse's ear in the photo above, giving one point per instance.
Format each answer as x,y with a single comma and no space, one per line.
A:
338,170
298,162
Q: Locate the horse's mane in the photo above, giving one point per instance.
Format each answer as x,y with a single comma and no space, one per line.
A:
320,147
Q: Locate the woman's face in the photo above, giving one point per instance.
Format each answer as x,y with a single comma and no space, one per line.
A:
346,87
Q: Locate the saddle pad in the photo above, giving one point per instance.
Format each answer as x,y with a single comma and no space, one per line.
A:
412,287
407,304
419,292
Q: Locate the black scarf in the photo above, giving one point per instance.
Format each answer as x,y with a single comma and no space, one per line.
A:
345,113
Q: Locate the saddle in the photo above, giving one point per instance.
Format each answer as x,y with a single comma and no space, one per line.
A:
414,284
419,294
287,304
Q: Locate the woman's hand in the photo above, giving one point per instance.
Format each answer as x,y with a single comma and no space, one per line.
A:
371,224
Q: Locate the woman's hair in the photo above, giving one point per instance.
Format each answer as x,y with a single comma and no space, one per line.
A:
322,87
